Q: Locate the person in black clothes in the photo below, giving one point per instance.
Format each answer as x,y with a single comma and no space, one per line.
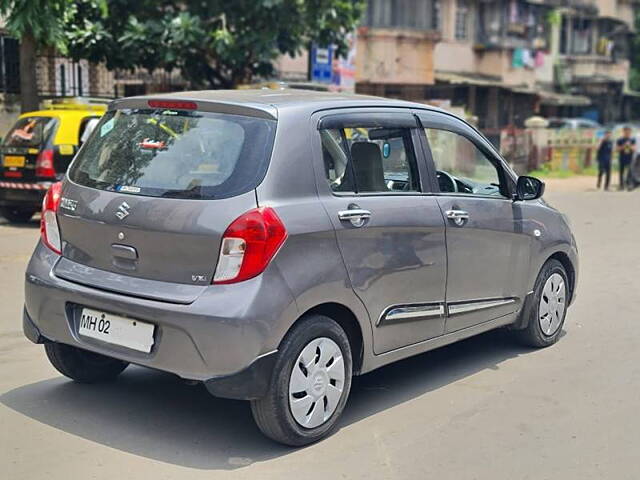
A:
604,159
626,147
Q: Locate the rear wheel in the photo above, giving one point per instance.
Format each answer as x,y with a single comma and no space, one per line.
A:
310,384
547,314
83,366
17,215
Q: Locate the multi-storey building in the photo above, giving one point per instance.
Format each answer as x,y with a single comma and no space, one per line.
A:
502,60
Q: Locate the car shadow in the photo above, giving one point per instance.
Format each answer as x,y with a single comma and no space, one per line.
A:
33,223
158,416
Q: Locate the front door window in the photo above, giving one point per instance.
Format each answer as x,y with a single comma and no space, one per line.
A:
461,167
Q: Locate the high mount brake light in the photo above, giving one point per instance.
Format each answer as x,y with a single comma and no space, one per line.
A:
48,221
248,245
44,164
173,104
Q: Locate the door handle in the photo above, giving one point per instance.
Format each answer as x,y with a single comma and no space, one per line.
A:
357,216
458,216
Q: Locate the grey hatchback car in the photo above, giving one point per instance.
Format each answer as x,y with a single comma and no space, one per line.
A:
272,244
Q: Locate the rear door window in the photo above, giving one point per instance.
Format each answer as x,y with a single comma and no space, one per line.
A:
368,160
32,132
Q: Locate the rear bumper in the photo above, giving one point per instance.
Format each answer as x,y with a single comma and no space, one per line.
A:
22,194
30,330
226,338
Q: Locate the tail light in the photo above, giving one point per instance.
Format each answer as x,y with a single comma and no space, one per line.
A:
248,245
48,222
44,164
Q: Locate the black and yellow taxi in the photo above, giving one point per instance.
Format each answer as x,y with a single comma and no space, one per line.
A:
37,151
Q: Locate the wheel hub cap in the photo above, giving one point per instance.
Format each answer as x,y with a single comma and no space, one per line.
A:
552,304
316,382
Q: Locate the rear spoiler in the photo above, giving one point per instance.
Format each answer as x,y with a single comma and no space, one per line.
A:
189,103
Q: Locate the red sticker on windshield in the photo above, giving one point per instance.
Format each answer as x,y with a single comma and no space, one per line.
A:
152,144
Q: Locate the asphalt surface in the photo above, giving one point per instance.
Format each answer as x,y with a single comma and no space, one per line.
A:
485,408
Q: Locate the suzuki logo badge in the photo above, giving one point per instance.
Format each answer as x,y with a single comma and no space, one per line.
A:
123,211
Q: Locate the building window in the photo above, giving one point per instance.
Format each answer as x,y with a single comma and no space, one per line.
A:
582,35
71,78
9,65
410,14
436,15
576,36
462,19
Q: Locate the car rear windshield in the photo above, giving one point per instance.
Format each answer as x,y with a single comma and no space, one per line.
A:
175,153
30,132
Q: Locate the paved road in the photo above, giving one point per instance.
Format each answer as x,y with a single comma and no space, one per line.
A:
482,409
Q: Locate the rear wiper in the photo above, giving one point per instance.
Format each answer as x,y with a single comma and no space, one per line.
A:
193,192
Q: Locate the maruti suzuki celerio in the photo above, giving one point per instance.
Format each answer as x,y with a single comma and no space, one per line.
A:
272,244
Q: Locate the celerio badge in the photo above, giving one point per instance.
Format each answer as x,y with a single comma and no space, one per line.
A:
123,211
68,204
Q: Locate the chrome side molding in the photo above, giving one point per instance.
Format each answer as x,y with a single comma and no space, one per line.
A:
466,307
411,312
425,311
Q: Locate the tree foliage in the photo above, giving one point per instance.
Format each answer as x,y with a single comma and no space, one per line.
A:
44,20
213,43
41,24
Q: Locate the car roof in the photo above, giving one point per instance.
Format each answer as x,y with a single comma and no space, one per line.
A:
272,102
64,113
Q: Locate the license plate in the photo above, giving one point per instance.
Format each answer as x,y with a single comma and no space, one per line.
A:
117,330
13,161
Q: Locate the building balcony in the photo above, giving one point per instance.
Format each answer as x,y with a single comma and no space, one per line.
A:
592,68
395,56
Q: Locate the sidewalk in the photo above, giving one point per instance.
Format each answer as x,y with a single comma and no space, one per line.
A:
578,183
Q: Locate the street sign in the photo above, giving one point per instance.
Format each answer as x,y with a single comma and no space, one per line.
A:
321,64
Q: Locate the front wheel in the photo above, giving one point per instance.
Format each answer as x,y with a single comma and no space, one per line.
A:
310,384
547,314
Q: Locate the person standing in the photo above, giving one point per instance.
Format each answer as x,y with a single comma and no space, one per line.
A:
626,147
604,159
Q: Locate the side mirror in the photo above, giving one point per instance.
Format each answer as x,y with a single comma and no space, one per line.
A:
528,188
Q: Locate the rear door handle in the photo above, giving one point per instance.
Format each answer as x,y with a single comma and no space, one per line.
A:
357,216
458,216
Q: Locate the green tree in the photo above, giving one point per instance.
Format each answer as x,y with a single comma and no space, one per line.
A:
40,24
36,23
214,43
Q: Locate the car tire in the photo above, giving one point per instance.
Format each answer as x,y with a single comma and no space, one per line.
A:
83,366
282,414
549,309
17,215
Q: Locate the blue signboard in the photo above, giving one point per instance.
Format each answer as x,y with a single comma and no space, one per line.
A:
321,64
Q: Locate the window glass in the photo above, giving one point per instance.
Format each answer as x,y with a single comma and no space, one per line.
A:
30,132
462,20
369,160
461,167
180,154
87,127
